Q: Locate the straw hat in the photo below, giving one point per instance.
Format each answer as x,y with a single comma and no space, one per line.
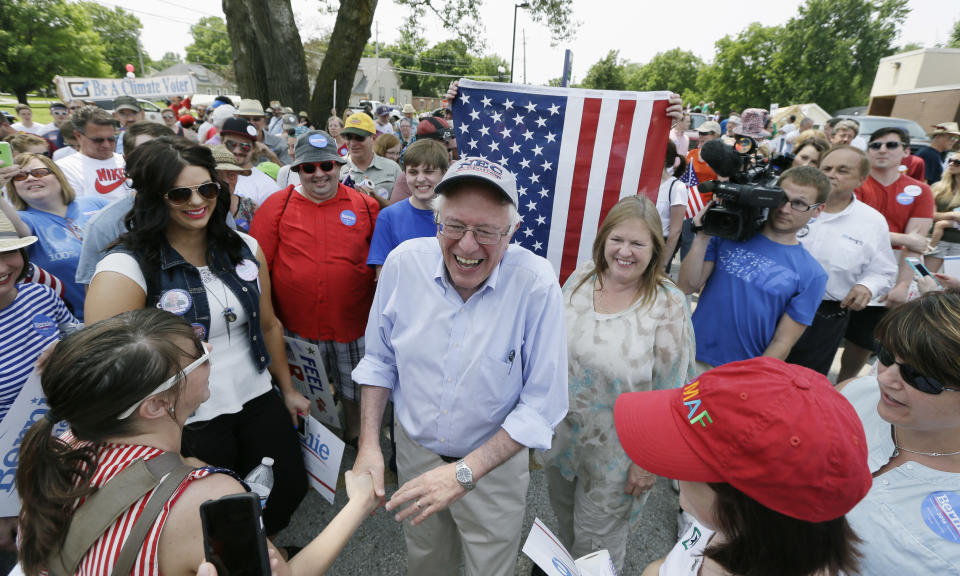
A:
9,239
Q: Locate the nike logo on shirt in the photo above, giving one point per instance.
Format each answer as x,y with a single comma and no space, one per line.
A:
107,174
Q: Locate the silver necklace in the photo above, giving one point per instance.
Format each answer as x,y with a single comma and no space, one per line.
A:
896,443
228,314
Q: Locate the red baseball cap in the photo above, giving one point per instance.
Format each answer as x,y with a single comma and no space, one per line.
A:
777,432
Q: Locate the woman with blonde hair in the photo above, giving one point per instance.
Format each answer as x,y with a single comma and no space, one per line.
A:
946,220
57,217
628,330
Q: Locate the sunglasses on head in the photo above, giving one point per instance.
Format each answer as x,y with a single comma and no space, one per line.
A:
182,195
311,167
888,145
910,375
243,146
36,173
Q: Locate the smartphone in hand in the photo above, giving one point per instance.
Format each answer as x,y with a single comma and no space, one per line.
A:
233,537
920,270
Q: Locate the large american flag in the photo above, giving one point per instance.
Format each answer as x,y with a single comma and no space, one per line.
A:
575,153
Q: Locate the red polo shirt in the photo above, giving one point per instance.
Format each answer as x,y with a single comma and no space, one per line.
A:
317,254
902,200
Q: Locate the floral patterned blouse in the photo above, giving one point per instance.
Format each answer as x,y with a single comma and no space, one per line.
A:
644,347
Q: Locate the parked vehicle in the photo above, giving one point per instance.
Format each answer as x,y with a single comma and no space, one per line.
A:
151,111
870,124
696,119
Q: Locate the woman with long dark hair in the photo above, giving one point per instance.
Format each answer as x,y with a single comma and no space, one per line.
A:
125,386
180,256
769,458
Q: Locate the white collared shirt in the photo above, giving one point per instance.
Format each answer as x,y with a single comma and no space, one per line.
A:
853,246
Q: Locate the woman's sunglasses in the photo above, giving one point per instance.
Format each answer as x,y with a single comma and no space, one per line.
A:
36,173
311,167
910,375
182,195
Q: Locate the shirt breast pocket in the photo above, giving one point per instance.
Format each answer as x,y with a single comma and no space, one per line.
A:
496,386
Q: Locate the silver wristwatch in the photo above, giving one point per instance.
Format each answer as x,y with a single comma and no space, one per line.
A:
465,476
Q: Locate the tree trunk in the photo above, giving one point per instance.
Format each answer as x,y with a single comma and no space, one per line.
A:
281,52
251,78
21,94
267,52
350,35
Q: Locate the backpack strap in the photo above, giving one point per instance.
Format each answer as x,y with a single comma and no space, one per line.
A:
134,542
102,508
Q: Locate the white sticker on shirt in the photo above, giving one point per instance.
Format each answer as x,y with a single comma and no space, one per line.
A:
913,190
247,270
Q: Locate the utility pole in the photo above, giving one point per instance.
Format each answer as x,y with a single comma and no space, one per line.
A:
523,31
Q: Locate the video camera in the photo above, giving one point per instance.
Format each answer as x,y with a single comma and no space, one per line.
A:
741,206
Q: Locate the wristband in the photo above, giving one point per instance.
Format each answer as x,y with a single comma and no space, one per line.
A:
695,228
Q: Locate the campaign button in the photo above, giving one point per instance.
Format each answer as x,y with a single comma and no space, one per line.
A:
317,141
939,511
247,270
904,198
348,218
175,301
44,325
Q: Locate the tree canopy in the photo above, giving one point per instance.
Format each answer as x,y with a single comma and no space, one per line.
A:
119,33
211,45
40,39
828,53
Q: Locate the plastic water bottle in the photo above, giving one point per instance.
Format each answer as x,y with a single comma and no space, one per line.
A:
260,479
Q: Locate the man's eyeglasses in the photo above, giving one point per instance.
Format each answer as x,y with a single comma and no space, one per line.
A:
36,173
910,375
356,137
482,235
888,145
182,195
59,112
311,167
169,382
98,141
800,205
233,145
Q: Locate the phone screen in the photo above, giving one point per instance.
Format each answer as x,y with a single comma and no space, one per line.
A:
922,270
6,156
233,537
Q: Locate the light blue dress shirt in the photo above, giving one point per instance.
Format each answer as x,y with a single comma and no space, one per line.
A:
910,520
460,371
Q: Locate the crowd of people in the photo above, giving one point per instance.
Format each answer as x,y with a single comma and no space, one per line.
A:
145,248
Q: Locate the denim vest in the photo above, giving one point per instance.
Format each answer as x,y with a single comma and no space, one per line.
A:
176,274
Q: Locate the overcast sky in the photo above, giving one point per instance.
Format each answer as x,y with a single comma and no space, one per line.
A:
637,29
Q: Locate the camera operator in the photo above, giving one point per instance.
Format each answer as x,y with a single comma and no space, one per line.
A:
757,295
851,241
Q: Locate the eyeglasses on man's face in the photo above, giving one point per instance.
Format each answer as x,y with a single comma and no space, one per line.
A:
455,231
888,145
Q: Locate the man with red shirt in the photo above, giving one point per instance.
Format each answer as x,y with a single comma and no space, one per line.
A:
322,286
907,205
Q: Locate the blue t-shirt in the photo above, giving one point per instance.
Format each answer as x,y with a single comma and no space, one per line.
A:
60,241
396,224
28,325
752,284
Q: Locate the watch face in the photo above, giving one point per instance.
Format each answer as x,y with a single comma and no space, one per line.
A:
464,475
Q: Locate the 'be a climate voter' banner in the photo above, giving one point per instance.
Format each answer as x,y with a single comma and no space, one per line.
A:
71,88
